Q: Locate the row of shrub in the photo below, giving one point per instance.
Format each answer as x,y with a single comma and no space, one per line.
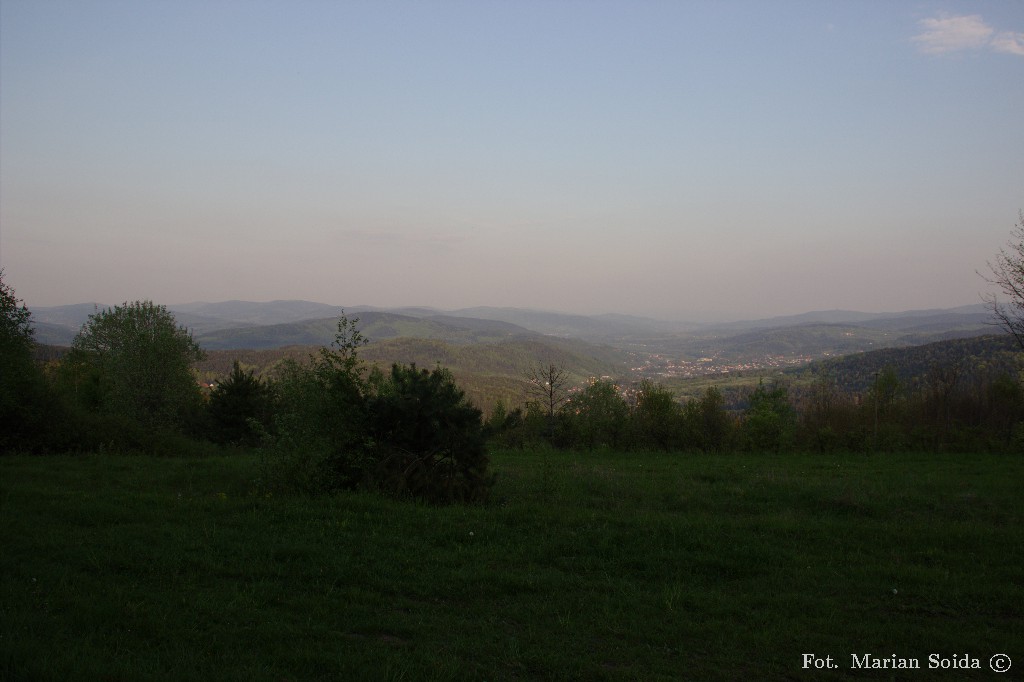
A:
332,423
126,385
985,415
317,427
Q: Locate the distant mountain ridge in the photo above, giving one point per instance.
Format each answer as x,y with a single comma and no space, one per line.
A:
487,371
249,324
375,326
488,348
879,320
256,313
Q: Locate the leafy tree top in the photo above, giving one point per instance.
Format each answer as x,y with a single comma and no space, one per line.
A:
342,358
133,327
141,359
15,320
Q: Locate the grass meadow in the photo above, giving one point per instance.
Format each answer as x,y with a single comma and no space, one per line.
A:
592,566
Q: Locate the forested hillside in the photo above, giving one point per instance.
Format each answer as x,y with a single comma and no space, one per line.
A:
973,359
960,393
377,326
488,372
489,350
967,364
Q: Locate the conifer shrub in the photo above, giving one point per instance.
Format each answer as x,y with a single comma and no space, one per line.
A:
239,408
428,439
411,432
505,428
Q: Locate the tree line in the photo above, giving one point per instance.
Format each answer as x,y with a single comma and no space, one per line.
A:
331,422
325,424
944,411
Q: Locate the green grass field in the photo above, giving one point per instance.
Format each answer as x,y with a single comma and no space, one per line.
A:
584,566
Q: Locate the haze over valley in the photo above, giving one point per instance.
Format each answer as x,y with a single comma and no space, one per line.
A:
495,346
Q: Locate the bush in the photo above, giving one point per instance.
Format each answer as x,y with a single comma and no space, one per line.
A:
134,360
657,419
597,416
19,377
239,409
428,439
412,432
769,423
314,442
706,423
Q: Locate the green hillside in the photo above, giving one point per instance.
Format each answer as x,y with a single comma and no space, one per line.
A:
806,340
486,371
373,325
975,358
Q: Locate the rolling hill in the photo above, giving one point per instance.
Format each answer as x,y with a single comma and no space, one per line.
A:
245,313
487,371
979,357
601,328
799,338
489,349
376,326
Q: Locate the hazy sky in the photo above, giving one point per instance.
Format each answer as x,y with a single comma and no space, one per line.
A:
677,159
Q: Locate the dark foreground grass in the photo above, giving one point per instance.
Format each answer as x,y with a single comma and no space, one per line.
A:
610,566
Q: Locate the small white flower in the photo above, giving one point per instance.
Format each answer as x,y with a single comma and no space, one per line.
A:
894,591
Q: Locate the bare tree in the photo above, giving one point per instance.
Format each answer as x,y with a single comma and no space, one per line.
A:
1007,273
549,385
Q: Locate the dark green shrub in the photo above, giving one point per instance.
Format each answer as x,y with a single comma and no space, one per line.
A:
706,423
428,439
597,416
19,378
32,416
769,423
239,409
134,360
505,428
1004,402
317,434
411,432
658,419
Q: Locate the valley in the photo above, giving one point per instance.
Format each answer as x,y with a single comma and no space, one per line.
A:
488,350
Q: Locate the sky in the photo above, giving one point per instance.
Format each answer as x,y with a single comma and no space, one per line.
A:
682,159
